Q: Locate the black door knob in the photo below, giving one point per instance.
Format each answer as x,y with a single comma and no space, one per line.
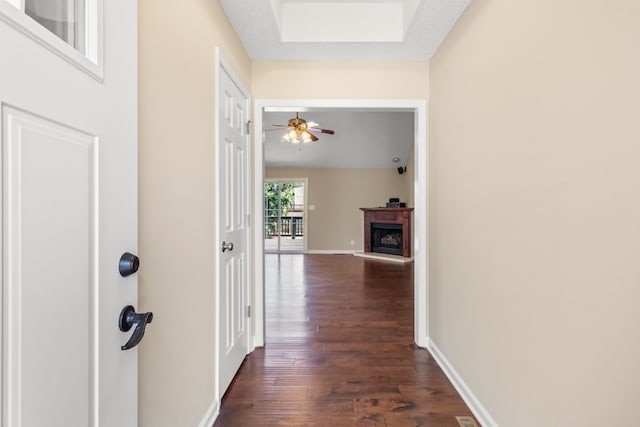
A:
128,318
129,264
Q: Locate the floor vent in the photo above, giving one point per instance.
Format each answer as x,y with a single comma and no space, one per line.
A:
466,421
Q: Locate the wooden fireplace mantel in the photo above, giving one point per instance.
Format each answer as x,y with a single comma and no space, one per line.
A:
388,216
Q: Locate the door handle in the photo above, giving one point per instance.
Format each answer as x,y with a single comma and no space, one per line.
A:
227,246
128,318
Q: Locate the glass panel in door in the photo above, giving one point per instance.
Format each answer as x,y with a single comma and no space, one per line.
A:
284,221
64,18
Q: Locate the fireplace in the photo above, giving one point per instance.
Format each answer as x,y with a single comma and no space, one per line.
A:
388,231
386,238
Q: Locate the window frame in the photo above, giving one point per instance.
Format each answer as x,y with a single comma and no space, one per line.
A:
91,62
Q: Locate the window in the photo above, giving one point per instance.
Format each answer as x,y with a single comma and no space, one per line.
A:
64,18
69,28
284,216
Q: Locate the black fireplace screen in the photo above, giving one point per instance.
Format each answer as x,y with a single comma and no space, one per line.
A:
386,238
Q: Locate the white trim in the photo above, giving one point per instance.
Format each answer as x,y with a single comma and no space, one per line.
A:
330,252
383,257
221,63
258,236
91,63
421,197
211,415
421,225
472,401
216,226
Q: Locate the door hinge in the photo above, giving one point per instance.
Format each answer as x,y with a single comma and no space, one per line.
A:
248,311
249,127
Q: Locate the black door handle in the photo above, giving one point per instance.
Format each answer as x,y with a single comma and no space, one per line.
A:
129,317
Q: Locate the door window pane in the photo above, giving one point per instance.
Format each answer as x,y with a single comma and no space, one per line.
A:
64,18
284,222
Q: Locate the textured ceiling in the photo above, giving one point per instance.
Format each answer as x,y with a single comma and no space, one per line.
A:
263,25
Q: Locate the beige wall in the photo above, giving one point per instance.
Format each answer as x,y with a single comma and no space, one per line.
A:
337,195
535,209
336,80
176,98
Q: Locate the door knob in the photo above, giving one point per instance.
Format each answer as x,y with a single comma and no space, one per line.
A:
128,264
128,318
227,246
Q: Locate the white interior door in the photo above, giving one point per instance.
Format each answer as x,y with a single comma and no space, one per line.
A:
69,211
232,200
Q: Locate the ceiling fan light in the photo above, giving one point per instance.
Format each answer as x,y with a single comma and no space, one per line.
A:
299,130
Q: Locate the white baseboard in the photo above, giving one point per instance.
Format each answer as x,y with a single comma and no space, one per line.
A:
422,340
330,251
478,409
211,415
383,257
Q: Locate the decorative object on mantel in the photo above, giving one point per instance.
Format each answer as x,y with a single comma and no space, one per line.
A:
394,202
388,230
300,130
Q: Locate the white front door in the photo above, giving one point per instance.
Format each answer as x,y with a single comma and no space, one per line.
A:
233,182
68,111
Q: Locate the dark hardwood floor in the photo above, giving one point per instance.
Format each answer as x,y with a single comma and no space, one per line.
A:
339,351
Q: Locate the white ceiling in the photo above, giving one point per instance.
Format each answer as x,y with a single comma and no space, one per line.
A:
342,30
362,139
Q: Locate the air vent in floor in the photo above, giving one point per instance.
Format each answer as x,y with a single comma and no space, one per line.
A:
466,421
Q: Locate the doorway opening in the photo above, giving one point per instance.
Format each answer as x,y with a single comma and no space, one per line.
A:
418,108
285,223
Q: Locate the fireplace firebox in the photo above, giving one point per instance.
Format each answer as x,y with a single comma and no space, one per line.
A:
386,238
388,230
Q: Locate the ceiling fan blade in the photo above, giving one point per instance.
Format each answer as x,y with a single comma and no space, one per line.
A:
329,131
282,128
313,137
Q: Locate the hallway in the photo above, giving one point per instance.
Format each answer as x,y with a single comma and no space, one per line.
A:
339,351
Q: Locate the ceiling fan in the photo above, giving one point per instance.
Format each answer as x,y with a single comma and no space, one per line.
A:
300,130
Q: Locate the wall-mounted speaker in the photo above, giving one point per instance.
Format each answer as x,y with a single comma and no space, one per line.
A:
402,170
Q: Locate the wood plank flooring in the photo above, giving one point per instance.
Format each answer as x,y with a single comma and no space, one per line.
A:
339,351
